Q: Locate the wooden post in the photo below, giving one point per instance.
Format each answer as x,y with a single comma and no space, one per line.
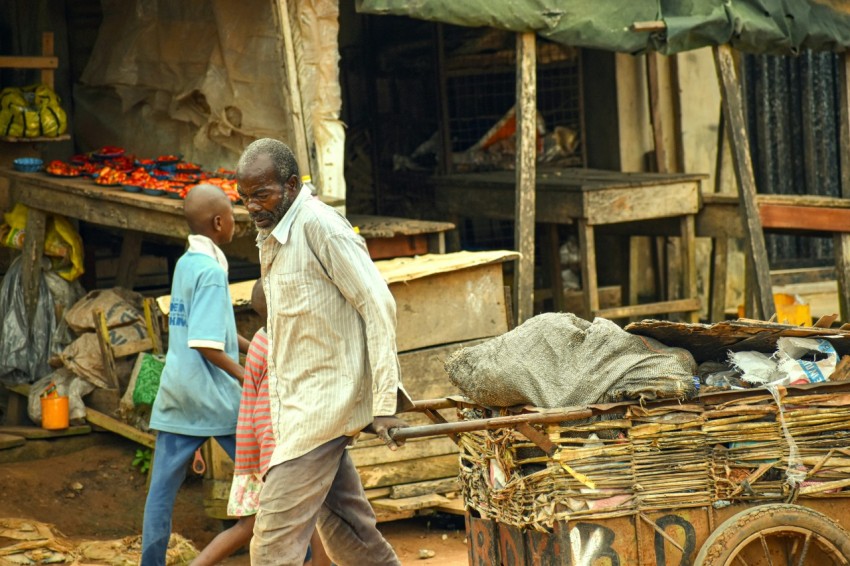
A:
733,111
31,268
526,160
442,86
655,112
47,51
842,241
293,88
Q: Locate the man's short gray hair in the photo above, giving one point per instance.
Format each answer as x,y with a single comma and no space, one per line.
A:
283,160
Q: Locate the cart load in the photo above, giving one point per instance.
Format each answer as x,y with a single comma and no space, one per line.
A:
737,475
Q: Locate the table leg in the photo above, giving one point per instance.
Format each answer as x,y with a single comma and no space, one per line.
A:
437,243
553,245
128,261
719,268
32,253
589,285
689,267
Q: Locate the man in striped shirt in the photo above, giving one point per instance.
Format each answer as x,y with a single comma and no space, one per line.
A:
333,366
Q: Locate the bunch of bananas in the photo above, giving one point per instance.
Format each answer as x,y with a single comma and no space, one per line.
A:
30,112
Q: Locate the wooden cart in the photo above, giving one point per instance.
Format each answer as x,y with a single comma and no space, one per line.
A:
734,478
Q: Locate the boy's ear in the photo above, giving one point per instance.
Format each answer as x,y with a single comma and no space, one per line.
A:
217,222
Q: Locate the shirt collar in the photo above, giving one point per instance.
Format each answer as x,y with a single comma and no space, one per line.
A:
281,231
204,245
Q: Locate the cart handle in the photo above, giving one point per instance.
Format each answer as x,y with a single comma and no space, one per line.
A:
488,424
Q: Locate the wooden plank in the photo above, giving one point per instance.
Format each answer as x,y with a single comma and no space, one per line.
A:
408,471
428,307
733,110
380,454
410,503
32,252
662,307
28,62
37,139
123,429
378,492
453,507
609,296
445,485
385,515
796,218
36,432
10,441
641,203
526,157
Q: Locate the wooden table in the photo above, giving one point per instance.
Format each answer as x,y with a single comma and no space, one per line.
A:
388,237
135,214
590,198
720,219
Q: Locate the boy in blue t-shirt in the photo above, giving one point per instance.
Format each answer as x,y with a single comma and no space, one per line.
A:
199,390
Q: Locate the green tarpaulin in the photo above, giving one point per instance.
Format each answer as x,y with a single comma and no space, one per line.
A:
754,26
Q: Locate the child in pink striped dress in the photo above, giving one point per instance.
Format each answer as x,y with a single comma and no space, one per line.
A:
254,446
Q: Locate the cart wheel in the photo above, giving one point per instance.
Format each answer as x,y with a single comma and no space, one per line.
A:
776,534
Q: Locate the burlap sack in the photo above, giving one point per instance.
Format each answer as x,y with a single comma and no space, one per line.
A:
84,358
561,360
120,307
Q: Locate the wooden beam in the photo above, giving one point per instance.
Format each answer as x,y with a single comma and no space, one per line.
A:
526,159
733,111
123,429
655,112
650,26
842,241
293,89
719,269
809,218
663,307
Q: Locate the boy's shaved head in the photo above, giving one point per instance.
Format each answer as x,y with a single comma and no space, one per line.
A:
202,205
258,300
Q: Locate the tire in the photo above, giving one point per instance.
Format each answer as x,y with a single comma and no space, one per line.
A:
776,530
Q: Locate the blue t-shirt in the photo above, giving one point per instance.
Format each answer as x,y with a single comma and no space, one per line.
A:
195,397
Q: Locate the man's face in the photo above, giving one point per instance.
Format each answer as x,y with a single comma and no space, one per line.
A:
266,199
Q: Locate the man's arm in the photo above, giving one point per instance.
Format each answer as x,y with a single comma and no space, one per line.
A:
244,344
348,264
221,360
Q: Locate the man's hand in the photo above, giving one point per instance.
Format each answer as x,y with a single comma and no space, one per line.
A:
381,426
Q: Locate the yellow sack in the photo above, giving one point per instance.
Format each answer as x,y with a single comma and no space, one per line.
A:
31,111
62,243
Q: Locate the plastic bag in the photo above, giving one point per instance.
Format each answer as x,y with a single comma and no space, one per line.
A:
67,385
62,243
32,111
147,381
120,307
24,350
790,352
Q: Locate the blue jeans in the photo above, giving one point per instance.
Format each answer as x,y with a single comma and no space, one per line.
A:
172,455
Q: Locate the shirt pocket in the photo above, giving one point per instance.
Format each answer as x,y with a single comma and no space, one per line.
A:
289,294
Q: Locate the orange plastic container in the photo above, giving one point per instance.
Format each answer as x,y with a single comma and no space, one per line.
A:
54,413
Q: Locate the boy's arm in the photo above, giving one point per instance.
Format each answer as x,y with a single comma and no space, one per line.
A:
221,360
244,343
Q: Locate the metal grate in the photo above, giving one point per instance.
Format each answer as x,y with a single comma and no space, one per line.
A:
479,96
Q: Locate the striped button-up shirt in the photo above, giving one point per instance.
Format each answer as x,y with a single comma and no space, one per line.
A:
333,364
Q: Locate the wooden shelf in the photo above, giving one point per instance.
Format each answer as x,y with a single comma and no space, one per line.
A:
63,137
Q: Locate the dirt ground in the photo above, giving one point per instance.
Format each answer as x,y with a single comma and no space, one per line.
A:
87,488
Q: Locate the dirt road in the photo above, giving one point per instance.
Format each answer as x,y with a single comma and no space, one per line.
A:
87,488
